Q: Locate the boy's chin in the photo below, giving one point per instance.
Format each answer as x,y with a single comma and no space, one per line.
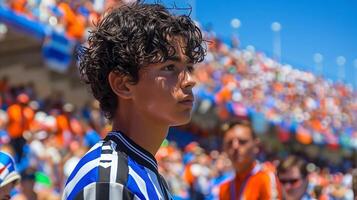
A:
181,122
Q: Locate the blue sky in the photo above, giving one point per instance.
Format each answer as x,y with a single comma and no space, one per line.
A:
328,27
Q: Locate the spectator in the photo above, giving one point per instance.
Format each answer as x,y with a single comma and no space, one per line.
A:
73,21
9,177
354,184
292,173
27,191
251,181
20,119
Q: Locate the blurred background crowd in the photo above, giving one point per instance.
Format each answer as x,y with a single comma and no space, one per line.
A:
73,18
294,112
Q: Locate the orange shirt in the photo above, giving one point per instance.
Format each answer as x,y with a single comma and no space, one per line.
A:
63,125
18,6
75,24
20,120
255,183
188,177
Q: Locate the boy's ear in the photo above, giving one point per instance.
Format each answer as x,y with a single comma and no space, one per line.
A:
119,82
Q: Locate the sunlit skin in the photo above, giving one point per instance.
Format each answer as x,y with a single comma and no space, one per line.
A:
293,184
5,191
162,98
241,147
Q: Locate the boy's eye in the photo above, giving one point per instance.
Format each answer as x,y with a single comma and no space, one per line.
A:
190,69
169,68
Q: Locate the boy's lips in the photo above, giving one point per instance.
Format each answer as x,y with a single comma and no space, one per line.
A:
188,100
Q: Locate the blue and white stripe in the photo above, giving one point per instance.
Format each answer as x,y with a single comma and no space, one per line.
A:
84,173
104,161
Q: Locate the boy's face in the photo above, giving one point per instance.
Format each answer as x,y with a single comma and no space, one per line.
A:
164,91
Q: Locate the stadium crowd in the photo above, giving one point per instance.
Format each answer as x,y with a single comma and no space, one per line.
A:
244,81
72,18
47,137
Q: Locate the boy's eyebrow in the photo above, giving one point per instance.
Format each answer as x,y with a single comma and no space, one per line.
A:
176,58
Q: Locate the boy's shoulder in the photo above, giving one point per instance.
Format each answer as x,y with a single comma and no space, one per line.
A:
103,163
104,154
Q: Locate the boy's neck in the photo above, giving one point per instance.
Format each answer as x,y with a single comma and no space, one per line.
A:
146,133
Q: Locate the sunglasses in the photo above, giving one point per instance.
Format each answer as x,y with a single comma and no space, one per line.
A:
290,181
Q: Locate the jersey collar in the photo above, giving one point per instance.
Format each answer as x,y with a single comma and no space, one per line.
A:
139,154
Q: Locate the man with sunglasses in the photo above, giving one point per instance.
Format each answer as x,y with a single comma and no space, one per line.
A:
252,180
292,174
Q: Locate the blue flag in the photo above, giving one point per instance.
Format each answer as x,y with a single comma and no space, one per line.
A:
57,51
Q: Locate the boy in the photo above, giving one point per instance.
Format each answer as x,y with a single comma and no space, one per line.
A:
139,66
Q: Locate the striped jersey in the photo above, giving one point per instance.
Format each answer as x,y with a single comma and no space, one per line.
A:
116,168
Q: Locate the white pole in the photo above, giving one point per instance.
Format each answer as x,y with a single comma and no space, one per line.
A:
318,58
235,24
355,72
3,31
276,28
340,60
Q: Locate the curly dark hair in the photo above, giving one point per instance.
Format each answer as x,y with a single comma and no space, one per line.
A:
129,38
